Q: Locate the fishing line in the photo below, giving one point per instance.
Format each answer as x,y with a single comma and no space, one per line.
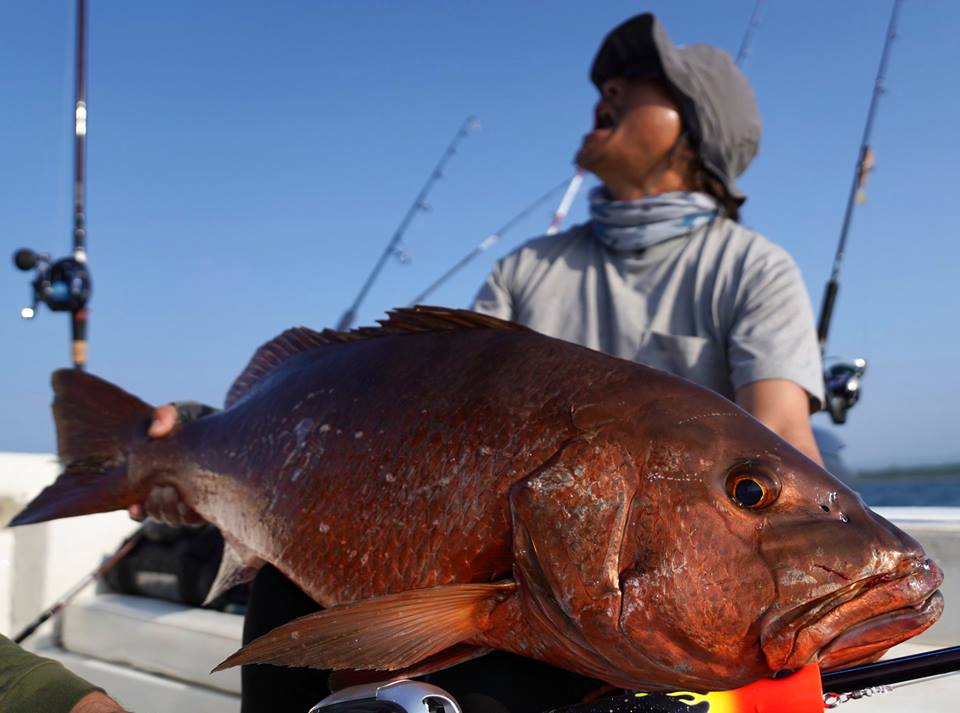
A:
419,204
928,679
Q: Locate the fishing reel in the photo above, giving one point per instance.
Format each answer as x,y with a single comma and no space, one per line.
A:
841,379
63,285
401,696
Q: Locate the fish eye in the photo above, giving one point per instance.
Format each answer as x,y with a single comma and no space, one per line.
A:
751,487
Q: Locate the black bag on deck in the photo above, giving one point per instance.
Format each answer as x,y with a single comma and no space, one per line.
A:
177,564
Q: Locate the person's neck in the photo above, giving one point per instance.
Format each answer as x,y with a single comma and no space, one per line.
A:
631,191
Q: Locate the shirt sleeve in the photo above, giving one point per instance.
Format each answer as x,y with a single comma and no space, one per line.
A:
495,297
773,334
30,683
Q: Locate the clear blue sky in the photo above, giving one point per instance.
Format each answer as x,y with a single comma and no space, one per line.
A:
249,160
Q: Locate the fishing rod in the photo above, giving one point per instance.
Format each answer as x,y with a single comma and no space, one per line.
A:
572,189
102,569
905,670
862,169
843,377
804,691
489,241
64,285
419,203
752,26
807,690
573,185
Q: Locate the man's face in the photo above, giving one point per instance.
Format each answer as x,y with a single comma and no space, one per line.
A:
636,123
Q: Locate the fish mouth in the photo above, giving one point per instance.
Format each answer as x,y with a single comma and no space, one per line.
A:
858,622
868,640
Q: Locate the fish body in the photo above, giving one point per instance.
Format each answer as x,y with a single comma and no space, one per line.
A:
450,483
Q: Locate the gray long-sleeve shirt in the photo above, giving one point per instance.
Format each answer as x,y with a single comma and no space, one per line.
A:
723,307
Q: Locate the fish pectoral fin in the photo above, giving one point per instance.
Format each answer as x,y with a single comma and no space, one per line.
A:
388,633
237,565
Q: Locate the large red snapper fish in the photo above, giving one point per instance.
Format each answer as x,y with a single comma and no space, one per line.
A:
449,483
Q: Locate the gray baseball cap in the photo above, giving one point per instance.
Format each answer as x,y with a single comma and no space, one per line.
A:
714,97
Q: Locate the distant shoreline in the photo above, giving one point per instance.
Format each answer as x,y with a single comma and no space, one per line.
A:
947,470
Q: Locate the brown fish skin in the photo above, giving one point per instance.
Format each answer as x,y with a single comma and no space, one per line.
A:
395,477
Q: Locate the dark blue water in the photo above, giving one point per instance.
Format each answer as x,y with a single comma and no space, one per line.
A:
912,490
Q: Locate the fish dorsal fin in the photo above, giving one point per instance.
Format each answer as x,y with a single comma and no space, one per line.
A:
395,631
270,356
409,320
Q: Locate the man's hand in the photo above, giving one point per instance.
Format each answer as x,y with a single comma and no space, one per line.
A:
163,503
97,702
783,407
164,419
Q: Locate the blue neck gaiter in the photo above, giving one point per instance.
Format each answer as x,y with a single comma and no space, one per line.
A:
627,226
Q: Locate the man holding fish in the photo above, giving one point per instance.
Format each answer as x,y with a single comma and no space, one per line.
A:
662,274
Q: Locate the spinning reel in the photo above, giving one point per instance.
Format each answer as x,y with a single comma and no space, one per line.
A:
841,378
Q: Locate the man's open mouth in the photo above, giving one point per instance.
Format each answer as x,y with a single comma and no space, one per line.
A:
857,623
604,117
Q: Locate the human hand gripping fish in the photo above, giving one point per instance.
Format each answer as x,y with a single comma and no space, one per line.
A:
163,502
449,483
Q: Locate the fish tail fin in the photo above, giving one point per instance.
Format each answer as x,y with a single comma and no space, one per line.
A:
97,426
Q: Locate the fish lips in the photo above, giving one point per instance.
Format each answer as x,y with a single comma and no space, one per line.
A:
858,622
868,641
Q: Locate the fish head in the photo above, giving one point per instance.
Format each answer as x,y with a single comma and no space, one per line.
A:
744,558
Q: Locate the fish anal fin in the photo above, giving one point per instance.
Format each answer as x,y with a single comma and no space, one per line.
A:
388,633
237,565
456,654
410,320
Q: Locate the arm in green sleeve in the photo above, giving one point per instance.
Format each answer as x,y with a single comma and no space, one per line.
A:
30,683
